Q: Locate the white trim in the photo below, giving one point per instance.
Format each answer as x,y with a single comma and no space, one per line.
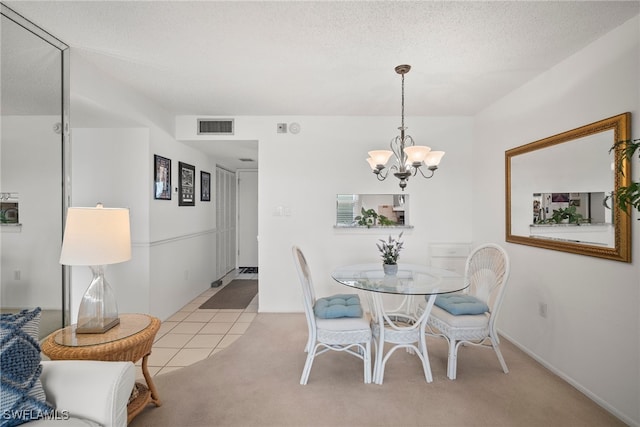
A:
174,239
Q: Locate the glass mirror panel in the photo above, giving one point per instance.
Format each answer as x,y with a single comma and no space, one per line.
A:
372,210
559,189
34,123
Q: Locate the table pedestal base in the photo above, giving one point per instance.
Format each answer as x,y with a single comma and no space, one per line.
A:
402,327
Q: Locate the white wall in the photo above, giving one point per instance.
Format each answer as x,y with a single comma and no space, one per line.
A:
591,334
181,239
102,174
115,133
303,173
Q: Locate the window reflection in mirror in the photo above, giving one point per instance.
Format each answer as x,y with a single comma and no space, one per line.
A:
573,217
372,210
570,208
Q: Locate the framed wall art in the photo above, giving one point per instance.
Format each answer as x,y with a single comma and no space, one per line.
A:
161,178
187,184
205,186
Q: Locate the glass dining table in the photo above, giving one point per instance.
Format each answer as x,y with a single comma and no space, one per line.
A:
403,325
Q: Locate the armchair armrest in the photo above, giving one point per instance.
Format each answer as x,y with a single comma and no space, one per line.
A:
95,390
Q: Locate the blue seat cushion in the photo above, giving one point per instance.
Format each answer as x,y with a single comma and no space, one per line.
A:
459,304
336,306
23,397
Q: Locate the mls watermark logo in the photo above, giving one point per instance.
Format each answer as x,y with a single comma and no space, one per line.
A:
32,415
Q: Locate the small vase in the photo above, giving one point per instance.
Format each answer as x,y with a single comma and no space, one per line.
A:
390,269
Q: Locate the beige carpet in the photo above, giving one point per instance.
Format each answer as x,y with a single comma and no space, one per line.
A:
255,382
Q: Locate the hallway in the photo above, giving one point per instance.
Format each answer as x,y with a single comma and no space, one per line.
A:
193,334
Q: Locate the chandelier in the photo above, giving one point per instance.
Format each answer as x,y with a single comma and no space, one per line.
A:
409,157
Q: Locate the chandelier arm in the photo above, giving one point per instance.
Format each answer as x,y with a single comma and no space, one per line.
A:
382,176
394,169
395,146
422,173
408,141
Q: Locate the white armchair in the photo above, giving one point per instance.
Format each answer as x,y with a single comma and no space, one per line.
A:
487,272
87,392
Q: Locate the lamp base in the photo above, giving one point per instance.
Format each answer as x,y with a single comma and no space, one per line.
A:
98,309
97,326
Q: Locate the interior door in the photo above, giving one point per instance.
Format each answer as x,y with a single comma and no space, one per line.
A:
247,188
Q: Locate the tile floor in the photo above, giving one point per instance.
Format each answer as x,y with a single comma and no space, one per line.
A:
193,334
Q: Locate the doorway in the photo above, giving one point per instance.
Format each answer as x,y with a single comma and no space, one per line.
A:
247,188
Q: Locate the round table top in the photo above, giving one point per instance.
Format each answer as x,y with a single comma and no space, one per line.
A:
411,279
130,324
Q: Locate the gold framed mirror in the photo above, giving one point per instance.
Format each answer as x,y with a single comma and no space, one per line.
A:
558,191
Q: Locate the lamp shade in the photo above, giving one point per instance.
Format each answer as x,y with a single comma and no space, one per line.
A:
416,153
96,236
433,158
380,157
371,162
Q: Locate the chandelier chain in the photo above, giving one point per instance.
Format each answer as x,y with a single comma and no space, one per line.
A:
402,109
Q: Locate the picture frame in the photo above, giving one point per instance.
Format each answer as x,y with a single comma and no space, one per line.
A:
9,212
186,184
205,186
560,197
161,178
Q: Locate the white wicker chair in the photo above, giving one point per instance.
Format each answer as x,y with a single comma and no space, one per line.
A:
340,334
487,271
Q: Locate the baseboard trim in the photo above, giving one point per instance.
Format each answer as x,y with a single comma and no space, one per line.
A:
571,381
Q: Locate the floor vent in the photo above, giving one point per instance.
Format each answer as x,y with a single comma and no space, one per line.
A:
215,126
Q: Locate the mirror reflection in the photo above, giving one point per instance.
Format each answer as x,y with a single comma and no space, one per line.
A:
32,106
573,217
372,210
559,188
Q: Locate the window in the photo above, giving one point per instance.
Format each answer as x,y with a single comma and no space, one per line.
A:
346,209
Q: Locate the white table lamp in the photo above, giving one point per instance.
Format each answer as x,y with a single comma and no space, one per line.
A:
96,237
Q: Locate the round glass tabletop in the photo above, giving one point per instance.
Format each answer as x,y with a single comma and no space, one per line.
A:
410,279
130,324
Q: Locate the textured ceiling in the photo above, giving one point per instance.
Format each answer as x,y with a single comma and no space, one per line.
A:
231,58
325,58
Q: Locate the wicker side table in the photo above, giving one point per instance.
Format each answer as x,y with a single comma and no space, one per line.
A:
131,340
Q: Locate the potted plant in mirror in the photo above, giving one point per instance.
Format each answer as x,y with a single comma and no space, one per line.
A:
390,250
566,215
628,196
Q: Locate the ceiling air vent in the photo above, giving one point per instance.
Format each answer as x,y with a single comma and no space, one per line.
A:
215,126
